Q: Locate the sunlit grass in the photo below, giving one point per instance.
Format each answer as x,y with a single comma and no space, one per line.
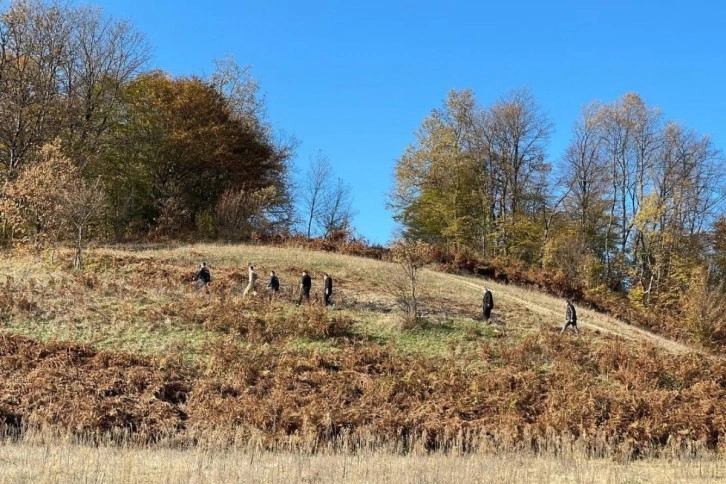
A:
134,299
62,461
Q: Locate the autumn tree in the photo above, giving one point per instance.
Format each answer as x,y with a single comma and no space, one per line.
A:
476,177
82,207
436,198
61,72
628,132
578,246
336,213
241,215
518,132
36,197
410,256
34,38
241,91
180,148
314,188
586,179
644,192
687,182
103,56
166,148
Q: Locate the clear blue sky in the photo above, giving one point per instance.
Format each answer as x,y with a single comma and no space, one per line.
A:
356,78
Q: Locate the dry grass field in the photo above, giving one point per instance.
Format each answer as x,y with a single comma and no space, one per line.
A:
163,383
61,461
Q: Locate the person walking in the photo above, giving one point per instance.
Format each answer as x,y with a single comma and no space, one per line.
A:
487,304
251,281
328,288
203,277
274,283
570,318
306,283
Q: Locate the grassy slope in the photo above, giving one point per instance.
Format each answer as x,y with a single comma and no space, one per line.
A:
280,371
134,300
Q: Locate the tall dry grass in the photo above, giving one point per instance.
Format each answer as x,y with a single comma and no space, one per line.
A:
46,460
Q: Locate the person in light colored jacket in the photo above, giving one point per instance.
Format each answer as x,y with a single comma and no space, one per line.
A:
251,281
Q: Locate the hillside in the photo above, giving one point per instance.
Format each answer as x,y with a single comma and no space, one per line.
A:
129,350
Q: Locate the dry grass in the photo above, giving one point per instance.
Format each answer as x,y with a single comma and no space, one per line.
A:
522,392
60,461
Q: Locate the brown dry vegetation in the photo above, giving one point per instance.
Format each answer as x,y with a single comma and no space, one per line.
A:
41,460
146,359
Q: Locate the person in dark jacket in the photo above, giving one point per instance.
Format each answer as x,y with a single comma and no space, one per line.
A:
274,284
306,283
487,304
570,318
203,277
328,288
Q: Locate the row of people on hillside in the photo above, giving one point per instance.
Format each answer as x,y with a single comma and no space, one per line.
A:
570,312
203,277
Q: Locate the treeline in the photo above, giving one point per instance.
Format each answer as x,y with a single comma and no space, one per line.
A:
90,139
633,207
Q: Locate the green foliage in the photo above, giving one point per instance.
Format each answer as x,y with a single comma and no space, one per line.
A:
474,177
522,238
205,225
631,213
165,148
566,250
436,196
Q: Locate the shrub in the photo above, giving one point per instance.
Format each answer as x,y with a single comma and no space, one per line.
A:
410,257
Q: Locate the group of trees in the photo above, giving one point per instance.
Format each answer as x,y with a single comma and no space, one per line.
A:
476,177
152,153
632,205
646,193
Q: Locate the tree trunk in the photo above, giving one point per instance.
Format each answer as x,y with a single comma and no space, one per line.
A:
78,259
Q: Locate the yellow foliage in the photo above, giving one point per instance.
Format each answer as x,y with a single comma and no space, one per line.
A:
651,209
523,238
33,203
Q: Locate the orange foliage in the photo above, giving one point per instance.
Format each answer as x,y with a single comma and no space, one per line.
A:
541,385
